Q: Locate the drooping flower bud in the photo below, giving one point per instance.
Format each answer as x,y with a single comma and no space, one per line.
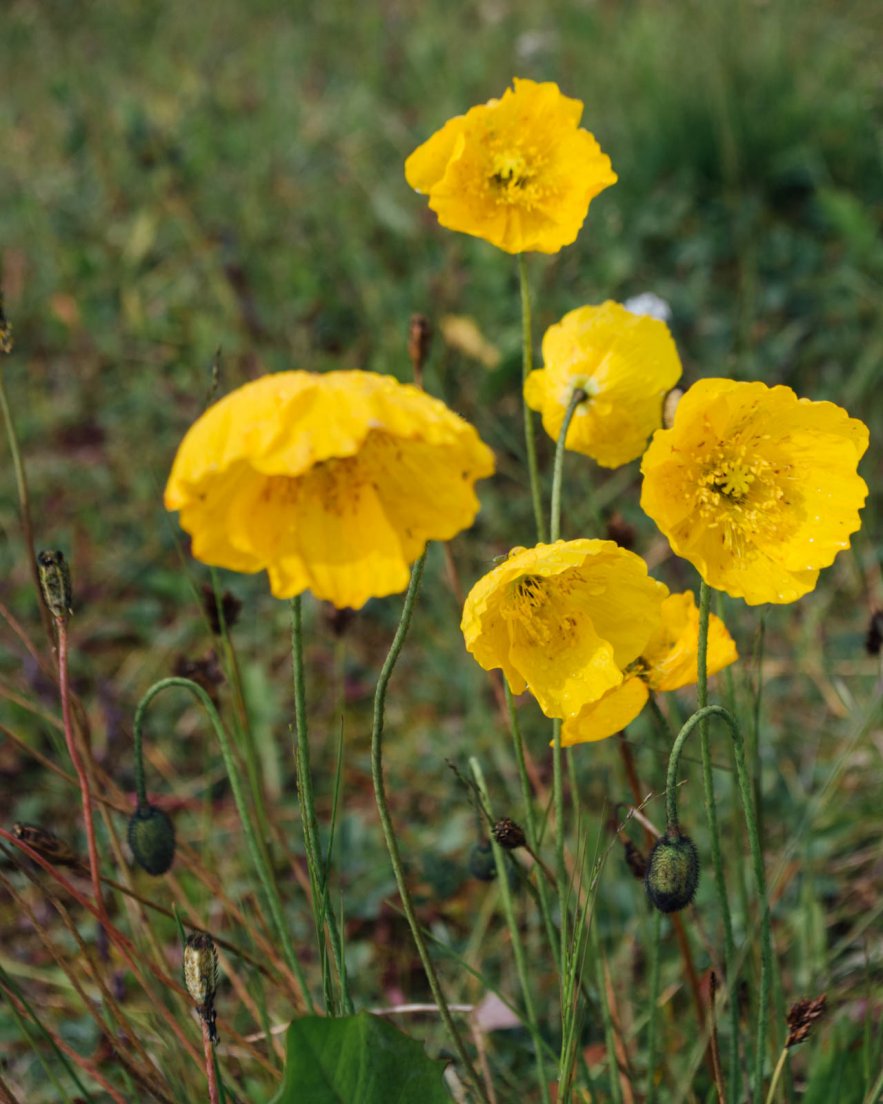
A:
481,862
152,839
672,873
55,583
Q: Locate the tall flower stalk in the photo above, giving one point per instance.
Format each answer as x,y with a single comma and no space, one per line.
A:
530,441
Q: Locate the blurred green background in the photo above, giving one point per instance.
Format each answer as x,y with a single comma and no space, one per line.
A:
179,178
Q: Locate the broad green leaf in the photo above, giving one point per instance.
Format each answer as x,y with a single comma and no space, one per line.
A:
357,1060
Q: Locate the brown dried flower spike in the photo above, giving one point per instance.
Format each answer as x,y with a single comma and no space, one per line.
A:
508,834
802,1017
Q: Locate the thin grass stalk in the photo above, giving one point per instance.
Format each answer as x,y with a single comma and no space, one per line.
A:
578,397
514,934
777,1074
73,751
745,794
716,859
6,1094
324,916
529,433
653,1021
388,828
606,1019
258,857
24,501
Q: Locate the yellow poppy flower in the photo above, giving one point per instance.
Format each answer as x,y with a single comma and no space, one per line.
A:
624,362
332,483
757,488
563,620
518,172
669,661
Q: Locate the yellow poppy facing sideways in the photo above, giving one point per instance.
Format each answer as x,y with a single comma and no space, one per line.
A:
758,489
563,620
669,661
329,482
519,171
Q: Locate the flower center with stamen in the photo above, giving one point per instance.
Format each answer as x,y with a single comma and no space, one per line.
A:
534,609
510,170
743,494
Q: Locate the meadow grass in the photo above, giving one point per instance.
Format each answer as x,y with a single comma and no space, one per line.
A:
179,181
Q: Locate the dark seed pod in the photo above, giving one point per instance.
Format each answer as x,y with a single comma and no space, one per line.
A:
481,862
55,583
508,834
672,873
152,839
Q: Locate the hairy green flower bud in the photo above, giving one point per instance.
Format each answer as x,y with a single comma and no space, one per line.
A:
672,873
55,583
152,839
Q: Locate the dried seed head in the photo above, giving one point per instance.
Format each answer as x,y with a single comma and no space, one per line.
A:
47,845
55,583
201,977
152,839
874,639
620,531
508,834
802,1017
672,873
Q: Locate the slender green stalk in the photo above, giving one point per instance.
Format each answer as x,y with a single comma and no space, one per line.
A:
652,1023
579,396
558,802
609,1038
714,832
389,833
24,501
777,1073
526,368
515,936
258,856
323,915
745,794
532,827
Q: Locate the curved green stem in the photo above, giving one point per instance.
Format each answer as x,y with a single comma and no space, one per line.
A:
389,833
526,368
745,793
716,859
258,857
322,914
579,396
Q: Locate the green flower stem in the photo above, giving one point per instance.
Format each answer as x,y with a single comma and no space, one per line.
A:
526,368
24,501
777,1073
532,827
607,1020
656,939
558,802
579,396
389,833
322,914
258,856
515,935
745,793
716,860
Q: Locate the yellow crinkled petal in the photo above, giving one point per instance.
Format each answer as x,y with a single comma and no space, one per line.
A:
518,171
757,488
614,712
333,482
563,619
671,657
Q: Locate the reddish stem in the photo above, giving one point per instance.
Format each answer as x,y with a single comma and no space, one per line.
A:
209,1052
85,792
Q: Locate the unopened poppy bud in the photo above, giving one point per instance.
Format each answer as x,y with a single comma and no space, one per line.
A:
55,583
481,862
672,873
201,977
152,839
508,834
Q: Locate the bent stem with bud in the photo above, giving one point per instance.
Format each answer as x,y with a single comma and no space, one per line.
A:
673,830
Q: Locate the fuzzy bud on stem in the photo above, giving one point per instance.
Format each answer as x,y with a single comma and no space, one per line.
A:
672,873
55,583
